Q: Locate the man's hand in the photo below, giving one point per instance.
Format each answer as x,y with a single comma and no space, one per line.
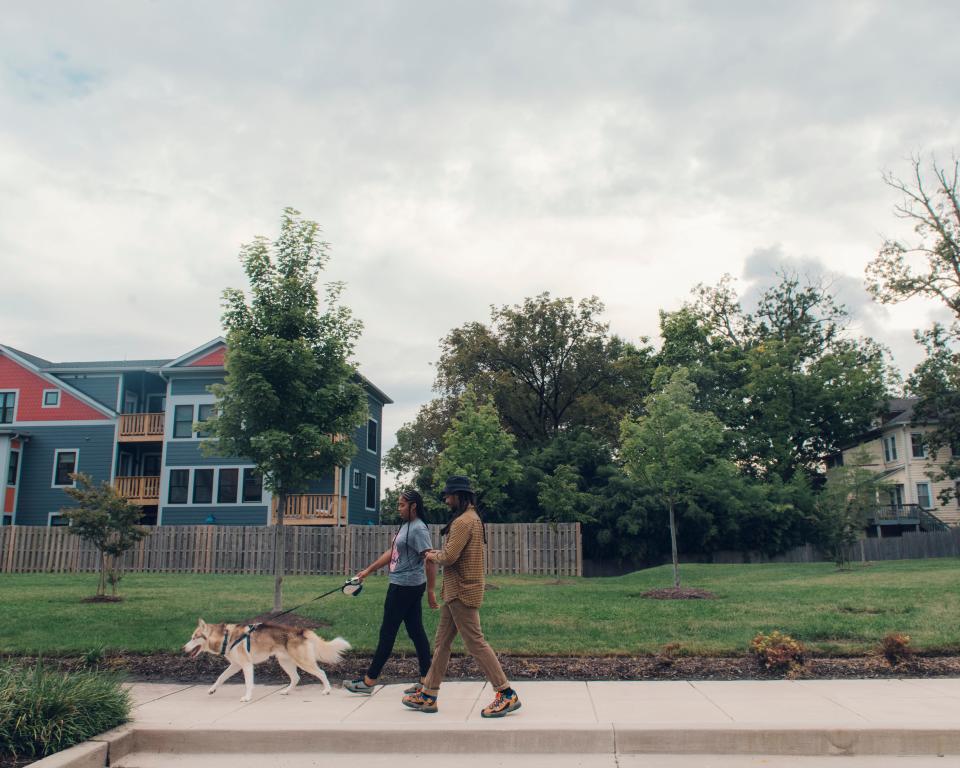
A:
431,555
432,600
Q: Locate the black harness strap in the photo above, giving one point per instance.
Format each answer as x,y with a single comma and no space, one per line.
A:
251,628
223,645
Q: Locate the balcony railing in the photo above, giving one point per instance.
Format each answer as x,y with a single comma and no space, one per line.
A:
141,427
314,509
908,514
139,490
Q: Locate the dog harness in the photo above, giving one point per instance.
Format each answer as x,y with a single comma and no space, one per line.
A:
251,628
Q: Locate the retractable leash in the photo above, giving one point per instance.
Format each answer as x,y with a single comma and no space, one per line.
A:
351,586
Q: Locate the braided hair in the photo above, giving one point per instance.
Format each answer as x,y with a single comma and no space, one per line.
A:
465,499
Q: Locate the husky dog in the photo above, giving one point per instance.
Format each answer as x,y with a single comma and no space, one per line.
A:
243,646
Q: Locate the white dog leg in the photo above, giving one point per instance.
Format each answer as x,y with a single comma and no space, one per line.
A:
321,675
224,676
248,679
287,665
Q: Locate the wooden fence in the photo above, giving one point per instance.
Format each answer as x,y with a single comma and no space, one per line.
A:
909,546
526,548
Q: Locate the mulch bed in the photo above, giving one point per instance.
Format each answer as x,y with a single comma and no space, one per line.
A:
177,668
679,593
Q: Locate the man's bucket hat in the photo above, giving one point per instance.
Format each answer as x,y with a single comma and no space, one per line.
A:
457,483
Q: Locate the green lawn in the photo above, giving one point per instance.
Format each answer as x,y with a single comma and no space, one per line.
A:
830,611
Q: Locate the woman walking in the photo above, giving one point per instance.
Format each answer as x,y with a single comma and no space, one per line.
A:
409,576
462,558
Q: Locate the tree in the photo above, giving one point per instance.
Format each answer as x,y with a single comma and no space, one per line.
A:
929,267
291,392
787,380
478,447
671,446
845,504
108,521
547,364
563,502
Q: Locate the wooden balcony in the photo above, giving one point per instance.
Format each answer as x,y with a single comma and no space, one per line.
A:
314,509
139,490
141,427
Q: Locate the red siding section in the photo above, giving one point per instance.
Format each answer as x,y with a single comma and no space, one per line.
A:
215,358
8,501
30,398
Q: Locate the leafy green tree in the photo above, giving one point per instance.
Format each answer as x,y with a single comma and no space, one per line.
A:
478,447
108,521
291,392
548,364
562,501
671,447
786,379
846,502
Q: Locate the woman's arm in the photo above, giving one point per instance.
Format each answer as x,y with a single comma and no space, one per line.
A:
431,584
376,565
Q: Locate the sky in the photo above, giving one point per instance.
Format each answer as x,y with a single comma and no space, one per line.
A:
457,155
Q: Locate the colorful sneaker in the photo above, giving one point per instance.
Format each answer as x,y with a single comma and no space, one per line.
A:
502,704
358,686
421,701
415,688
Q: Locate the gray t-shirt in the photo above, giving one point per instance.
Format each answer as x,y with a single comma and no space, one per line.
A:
406,562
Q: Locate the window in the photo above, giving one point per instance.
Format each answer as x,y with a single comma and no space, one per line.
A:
923,495
56,519
179,482
356,479
64,464
51,398
7,518
896,495
204,412
252,487
12,469
183,421
155,402
372,435
7,402
371,500
227,486
835,461
890,448
917,448
202,486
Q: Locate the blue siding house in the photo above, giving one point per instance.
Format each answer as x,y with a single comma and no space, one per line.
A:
132,423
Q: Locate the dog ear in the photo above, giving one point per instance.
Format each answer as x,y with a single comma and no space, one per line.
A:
201,623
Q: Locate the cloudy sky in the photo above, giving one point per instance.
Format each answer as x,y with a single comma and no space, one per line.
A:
457,155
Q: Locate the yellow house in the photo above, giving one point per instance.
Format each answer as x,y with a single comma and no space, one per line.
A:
899,454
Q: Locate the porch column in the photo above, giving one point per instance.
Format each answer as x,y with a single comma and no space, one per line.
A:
336,493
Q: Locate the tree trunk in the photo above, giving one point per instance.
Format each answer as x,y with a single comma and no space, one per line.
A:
102,584
673,548
279,553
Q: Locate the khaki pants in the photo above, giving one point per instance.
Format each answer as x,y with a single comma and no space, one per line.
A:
457,617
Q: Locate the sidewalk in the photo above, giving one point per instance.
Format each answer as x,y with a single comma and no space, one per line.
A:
627,720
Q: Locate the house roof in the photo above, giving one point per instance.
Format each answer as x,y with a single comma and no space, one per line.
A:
900,410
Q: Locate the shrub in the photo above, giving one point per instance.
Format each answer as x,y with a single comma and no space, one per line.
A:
778,652
895,648
45,710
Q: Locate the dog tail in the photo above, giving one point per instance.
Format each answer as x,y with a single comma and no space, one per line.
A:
330,651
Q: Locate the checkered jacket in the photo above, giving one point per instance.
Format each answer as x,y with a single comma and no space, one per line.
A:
462,558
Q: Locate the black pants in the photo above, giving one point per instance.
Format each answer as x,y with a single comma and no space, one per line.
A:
403,605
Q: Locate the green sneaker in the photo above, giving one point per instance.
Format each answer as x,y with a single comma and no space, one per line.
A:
502,704
420,701
359,686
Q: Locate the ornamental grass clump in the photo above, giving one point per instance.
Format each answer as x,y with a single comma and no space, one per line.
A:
778,652
895,648
43,710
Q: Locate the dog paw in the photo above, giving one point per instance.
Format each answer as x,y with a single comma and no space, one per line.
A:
211,690
325,692
245,698
285,691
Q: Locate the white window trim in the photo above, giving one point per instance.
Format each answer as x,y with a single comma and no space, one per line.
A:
891,441
355,481
375,494
173,421
43,399
170,411
50,516
191,480
16,403
929,493
923,446
367,436
76,466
